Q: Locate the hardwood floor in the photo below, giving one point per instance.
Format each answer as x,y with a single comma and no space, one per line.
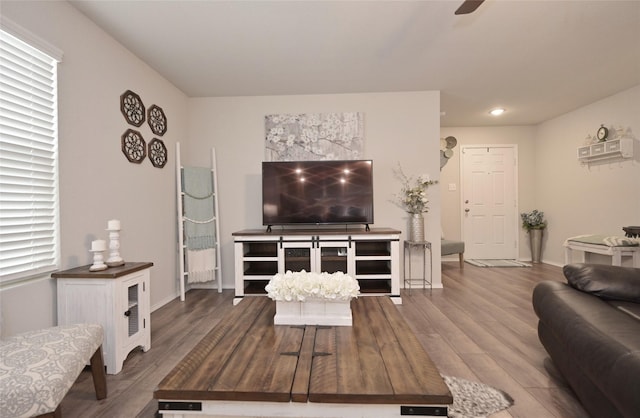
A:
481,327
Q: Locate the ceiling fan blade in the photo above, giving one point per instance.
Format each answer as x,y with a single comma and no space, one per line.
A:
468,6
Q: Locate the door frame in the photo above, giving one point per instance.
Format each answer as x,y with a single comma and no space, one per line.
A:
516,184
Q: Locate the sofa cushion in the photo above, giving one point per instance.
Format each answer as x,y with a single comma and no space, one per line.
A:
449,247
630,308
604,281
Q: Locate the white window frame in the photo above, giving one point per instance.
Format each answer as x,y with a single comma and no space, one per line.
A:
21,260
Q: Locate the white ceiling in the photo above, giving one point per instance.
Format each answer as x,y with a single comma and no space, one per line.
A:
538,59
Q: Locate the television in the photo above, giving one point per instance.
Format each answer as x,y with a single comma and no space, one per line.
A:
317,192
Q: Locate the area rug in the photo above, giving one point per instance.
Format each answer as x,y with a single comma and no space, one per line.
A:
474,399
497,263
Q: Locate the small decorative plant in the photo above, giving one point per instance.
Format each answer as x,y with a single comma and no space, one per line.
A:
298,286
533,220
413,195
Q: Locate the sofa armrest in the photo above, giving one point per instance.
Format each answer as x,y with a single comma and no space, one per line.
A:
605,281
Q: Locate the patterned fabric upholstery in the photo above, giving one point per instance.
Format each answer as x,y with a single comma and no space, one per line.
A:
38,368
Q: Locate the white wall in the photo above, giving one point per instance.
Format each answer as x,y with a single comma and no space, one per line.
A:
524,138
399,127
599,198
97,183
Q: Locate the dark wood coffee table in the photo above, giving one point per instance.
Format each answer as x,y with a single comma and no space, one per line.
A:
246,366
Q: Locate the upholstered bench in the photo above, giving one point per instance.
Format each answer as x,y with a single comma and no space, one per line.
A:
449,247
38,368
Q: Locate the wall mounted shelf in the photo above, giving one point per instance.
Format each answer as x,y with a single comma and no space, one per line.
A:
616,148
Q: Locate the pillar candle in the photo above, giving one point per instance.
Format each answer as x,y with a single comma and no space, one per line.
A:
98,245
113,224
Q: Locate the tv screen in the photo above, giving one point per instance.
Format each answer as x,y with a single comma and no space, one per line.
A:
317,192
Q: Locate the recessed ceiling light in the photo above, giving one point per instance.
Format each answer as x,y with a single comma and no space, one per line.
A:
497,111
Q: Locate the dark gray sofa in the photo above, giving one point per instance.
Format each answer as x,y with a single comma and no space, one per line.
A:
590,327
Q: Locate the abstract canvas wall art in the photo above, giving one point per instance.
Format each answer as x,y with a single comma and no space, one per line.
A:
314,136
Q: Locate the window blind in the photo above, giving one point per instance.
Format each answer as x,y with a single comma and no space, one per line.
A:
28,161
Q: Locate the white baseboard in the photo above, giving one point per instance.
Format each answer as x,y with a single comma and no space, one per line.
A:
163,302
553,263
177,295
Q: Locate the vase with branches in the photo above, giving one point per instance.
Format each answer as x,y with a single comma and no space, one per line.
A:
413,200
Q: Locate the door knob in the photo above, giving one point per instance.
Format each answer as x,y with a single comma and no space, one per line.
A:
466,210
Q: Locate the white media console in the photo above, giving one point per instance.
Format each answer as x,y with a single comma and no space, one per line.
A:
371,256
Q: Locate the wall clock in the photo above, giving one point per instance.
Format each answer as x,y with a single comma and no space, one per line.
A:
133,146
157,120
132,108
603,133
157,153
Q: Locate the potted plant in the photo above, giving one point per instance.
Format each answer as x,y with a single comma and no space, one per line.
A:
413,199
535,224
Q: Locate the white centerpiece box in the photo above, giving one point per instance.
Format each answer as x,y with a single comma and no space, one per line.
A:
304,298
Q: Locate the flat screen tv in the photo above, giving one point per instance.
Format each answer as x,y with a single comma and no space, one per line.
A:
317,192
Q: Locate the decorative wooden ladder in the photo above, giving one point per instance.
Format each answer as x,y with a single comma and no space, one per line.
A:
180,193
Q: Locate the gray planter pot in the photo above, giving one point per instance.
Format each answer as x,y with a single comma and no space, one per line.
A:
535,242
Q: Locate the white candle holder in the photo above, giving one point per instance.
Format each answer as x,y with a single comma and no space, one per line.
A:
114,259
98,261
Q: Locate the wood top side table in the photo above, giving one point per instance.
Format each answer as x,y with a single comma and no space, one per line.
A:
116,298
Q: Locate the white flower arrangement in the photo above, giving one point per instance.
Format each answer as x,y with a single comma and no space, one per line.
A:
298,286
413,195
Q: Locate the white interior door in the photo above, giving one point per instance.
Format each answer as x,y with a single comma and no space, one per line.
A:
489,209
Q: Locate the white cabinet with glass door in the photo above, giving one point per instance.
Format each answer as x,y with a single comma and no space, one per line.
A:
116,298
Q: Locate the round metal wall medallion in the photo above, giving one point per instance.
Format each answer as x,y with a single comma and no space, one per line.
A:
133,146
157,153
157,120
132,108
451,141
